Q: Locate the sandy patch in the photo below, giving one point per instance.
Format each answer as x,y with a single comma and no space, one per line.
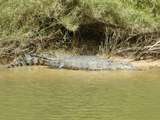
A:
141,64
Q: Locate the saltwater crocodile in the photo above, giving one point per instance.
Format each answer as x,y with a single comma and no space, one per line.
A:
71,62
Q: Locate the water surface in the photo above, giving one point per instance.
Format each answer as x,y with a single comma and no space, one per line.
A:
44,94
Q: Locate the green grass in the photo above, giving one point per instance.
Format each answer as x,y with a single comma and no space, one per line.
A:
43,94
21,18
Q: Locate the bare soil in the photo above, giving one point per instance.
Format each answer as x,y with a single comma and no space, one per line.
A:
140,64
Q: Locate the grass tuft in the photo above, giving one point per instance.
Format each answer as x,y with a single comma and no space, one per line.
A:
28,18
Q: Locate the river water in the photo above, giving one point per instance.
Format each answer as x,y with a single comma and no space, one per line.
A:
38,93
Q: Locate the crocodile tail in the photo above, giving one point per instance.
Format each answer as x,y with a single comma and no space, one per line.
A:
17,62
28,60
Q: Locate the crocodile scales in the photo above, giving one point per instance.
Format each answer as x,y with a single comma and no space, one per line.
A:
72,62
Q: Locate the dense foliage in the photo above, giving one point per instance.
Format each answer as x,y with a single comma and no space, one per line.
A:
24,18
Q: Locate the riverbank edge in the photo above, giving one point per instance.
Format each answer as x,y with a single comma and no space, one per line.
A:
140,64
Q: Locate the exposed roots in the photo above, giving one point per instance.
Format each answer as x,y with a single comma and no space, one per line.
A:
89,39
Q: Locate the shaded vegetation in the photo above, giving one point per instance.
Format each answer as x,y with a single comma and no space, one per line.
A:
127,23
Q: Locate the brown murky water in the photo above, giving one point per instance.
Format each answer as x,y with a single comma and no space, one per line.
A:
38,93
